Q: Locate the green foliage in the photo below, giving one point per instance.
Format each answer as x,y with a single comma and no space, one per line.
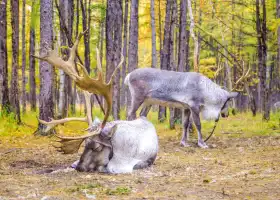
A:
207,67
35,14
118,191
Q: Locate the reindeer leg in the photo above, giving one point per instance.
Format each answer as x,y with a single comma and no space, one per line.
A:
185,134
144,112
136,102
196,120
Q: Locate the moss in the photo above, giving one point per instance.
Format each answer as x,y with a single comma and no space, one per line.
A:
118,191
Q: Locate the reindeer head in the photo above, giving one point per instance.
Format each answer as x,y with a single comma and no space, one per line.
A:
98,151
224,110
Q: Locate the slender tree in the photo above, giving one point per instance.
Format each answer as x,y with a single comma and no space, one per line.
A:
62,103
195,39
172,57
277,70
133,41
262,56
4,90
23,92
165,56
85,19
153,26
114,20
124,66
14,95
46,70
32,62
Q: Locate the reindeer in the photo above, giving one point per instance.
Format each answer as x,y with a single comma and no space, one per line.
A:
190,91
114,147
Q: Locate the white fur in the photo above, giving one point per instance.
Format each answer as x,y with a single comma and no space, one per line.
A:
133,141
210,113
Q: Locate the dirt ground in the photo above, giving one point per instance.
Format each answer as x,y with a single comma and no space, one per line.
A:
232,168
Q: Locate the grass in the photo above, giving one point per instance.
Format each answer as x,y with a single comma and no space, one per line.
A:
234,125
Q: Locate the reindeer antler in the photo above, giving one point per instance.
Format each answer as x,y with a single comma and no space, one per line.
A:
86,83
244,76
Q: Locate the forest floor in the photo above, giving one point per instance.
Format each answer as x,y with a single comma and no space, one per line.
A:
243,162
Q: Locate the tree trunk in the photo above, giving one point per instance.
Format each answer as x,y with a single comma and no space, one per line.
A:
123,72
159,23
63,89
182,36
262,56
133,42
69,83
14,98
172,57
195,39
32,83
183,47
23,95
4,90
86,36
46,70
113,49
153,26
277,81
165,51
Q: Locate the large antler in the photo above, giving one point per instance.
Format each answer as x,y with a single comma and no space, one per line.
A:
245,75
86,83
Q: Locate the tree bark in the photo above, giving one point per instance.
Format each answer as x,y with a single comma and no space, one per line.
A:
133,42
172,57
32,83
69,83
277,70
46,70
165,57
63,89
123,72
153,26
4,90
195,39
14,98
113,49
23,95
183,45
87,34
262,56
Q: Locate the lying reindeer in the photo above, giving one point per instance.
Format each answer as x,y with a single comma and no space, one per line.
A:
115,147
190,91
121,147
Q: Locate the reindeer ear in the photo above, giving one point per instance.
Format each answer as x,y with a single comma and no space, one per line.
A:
232,95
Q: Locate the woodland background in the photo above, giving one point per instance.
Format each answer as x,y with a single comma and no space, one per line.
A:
220,39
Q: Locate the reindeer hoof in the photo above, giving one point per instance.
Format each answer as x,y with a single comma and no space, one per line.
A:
202,145
184,144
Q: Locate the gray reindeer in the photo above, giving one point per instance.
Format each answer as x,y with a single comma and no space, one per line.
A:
190,91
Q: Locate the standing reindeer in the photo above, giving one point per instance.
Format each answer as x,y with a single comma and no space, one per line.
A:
115,147
190,91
